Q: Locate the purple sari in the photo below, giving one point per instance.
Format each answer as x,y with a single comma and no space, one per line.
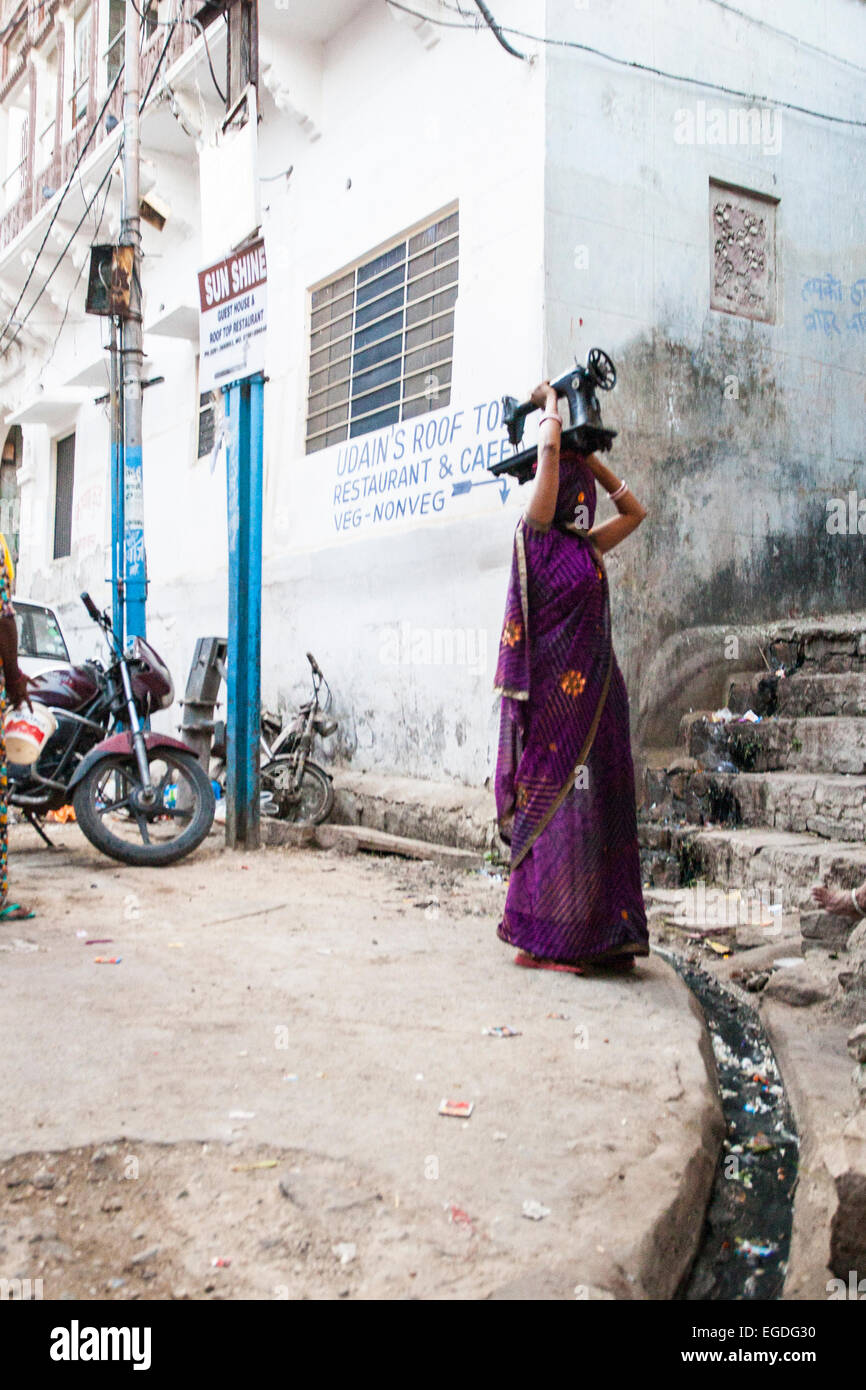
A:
564,774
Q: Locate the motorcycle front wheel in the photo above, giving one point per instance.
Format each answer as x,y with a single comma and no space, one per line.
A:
114,814
314,799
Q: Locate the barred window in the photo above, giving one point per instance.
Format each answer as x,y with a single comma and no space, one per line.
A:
382,337
63,489
207,411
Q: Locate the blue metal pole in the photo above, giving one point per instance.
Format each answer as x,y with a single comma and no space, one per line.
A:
118,575
135,565
133,542
244,409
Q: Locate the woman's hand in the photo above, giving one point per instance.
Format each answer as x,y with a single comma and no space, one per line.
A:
541,396
17,686
14,678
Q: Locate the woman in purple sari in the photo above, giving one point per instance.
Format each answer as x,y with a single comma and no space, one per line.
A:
565,795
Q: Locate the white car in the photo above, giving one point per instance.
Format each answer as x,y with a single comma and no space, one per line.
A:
41,644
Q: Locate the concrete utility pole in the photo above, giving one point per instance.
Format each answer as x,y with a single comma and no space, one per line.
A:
134,558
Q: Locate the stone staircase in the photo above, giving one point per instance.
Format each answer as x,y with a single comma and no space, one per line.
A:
775,806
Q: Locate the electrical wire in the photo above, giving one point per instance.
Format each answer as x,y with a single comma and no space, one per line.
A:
475,25
640,67
194,24
491,22
723,5
19,324
58,331
56,212
157,66
271,178
786,34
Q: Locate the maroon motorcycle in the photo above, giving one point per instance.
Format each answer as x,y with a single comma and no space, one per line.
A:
139,796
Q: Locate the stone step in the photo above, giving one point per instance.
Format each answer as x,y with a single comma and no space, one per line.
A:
832,645
801,695
780,864
776,745
826,804
445,813
755,691
820,696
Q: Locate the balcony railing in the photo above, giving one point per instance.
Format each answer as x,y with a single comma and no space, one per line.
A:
51,168
44,153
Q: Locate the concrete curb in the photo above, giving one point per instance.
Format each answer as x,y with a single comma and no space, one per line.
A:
670,1188
442,812
349,839
816,1069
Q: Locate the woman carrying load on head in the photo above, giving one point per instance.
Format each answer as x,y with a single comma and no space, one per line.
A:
564,778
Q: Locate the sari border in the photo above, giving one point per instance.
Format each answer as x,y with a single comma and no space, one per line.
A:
524,584
569,783
520,554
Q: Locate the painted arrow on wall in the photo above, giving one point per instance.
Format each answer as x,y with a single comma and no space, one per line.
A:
458,489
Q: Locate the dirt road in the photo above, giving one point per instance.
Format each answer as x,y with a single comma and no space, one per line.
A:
258,1083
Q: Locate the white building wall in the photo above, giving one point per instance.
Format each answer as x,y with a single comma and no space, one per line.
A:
568,152
404,617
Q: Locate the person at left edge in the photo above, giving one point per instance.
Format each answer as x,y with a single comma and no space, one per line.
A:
13,691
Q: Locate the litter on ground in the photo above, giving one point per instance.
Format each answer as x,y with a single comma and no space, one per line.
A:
460,1109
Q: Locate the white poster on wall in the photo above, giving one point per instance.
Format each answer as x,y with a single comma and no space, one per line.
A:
233,317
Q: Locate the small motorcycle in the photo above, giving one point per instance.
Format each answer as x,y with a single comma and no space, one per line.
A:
294,788
139,797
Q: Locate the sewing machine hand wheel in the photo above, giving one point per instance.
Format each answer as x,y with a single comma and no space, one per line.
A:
601,369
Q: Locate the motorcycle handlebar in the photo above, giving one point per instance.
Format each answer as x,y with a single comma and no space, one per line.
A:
91,607
314,663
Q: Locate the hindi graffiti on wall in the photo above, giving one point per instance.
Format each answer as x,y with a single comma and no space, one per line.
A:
829,290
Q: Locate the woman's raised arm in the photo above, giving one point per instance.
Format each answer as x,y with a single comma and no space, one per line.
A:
542,506
631,513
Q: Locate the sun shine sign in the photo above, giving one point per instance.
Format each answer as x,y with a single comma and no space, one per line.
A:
233,317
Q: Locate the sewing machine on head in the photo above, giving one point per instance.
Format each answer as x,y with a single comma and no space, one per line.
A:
584,431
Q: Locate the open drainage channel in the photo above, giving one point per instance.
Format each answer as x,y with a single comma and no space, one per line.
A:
743,1252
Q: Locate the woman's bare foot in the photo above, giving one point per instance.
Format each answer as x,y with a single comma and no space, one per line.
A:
14,912
838,901
530,962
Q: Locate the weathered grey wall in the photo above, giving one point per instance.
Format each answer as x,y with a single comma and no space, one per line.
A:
737,485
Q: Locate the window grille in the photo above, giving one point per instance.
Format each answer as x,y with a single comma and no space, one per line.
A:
382,337
207,413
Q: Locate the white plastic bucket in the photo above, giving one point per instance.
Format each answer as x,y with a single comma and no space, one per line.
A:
27,732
